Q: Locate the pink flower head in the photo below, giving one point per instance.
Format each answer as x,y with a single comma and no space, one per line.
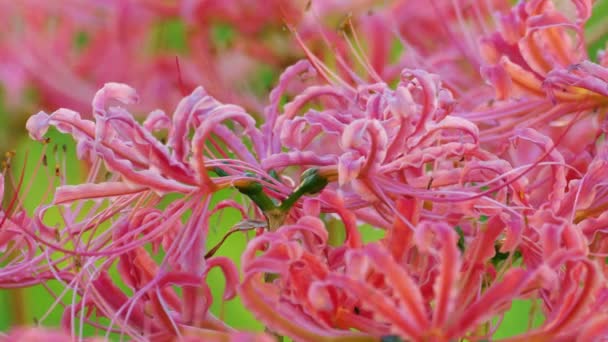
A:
145,171
418,286
537,63
375,144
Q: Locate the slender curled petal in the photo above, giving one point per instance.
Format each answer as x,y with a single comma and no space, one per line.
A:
291,108
182,119
447,123
271,111
230,274
557,192
113,92
205,129
349,167
37,125
498,78
157,120
403,284
148,178
282,160
65,120
71,193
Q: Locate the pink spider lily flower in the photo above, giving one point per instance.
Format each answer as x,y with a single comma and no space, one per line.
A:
581,214
152,308
418,286
378,143
125,217
532,62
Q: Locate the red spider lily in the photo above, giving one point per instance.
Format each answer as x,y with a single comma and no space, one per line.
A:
125,236
419,286
111,234
537,42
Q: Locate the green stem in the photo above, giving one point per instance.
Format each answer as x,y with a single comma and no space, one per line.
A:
253,190
312,183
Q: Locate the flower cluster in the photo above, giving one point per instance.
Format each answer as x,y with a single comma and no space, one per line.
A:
479,153
163,48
